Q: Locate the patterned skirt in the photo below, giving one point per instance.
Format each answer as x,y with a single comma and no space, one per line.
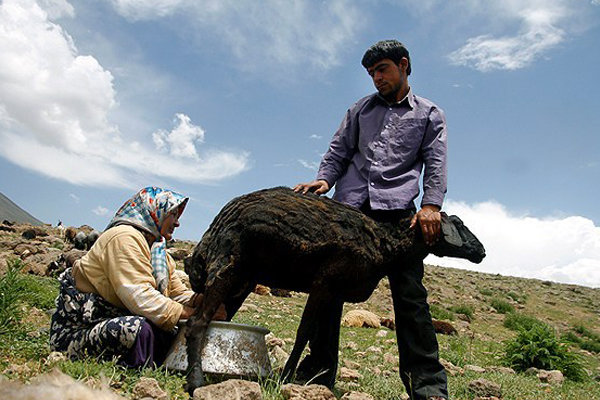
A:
86,324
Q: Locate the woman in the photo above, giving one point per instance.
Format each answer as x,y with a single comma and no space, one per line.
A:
122,298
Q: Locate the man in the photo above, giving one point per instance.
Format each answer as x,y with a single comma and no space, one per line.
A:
375,160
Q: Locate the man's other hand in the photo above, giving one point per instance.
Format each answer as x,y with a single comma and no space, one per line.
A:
430,221
317,187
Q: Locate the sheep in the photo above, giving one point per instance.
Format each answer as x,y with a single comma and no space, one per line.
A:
80,240
304,243
91,238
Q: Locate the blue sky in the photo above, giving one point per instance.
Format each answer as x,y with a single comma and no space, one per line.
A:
219,98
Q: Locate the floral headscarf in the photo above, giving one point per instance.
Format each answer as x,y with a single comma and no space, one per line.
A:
147,210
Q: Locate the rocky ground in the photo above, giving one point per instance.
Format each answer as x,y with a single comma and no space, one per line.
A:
470,310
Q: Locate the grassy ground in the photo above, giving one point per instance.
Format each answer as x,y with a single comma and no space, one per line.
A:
463,297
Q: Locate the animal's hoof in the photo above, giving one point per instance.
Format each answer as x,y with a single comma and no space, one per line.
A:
194,381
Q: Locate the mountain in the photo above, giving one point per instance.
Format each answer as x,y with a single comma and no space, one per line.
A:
11,212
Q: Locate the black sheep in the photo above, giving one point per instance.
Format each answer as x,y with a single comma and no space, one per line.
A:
304,243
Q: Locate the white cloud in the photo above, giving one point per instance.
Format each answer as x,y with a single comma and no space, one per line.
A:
55,105
559,249
314,136
263,33
524,32
101,211
312,165
75,198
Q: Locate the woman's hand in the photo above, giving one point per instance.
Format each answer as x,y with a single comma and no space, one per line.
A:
196,301
187,312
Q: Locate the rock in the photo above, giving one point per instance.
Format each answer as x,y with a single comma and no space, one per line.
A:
554,377
55,357
347,374
474,368
262,290
351,364
483,387
232,389
404,396
374,349
278,357
381,333
390,358
351,346
501,370
361,319
292,391
451,369
357,396
148,387
272,341
444,327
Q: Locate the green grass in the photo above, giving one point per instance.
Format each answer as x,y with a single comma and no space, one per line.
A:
517,321
440,313
502,306
464,309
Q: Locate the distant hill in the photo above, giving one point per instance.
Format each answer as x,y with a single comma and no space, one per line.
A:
11,212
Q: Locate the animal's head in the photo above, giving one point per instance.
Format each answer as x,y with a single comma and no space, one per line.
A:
457,241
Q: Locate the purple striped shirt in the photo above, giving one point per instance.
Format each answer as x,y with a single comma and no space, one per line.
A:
380,149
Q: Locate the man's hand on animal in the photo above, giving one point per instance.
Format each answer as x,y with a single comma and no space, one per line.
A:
430,221
317,187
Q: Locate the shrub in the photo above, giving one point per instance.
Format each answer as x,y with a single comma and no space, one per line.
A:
589,342
486,292
463,309
539,347
11,296
502,306
518,322
440,313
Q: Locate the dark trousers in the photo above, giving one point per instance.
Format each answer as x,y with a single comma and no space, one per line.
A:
420,369
150,348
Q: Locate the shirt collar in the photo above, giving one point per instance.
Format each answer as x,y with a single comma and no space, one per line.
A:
409,99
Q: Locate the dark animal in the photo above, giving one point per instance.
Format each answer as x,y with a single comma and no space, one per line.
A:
80,240
91,238
303,243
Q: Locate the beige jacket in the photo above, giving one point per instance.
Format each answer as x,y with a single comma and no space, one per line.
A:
118,268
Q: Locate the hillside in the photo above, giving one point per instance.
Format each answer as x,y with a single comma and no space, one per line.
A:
483,308
11,212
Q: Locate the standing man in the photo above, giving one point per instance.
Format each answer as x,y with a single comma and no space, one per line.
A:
375,160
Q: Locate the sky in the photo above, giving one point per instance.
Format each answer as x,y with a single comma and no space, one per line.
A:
218,98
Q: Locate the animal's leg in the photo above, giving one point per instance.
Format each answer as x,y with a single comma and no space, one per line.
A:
304,333
214,296
320,366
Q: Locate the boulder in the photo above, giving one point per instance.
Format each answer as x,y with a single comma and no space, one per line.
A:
554,377
232,389
357,396
148,388
292,391
485,388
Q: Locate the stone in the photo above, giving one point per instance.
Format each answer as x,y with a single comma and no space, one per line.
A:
501,370
474,368
148,387
390,358
351,364
451,369
374,349
361,319
351,346
291,391
554,377
357,396
484,387
347,374
272,341
278,357
262,290
232,389
381,333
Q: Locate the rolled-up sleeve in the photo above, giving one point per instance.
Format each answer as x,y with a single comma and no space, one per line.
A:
434,150
340,152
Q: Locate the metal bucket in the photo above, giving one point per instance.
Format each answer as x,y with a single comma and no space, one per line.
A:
231,350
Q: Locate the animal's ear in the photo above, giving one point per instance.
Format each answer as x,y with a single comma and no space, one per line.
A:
450,231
